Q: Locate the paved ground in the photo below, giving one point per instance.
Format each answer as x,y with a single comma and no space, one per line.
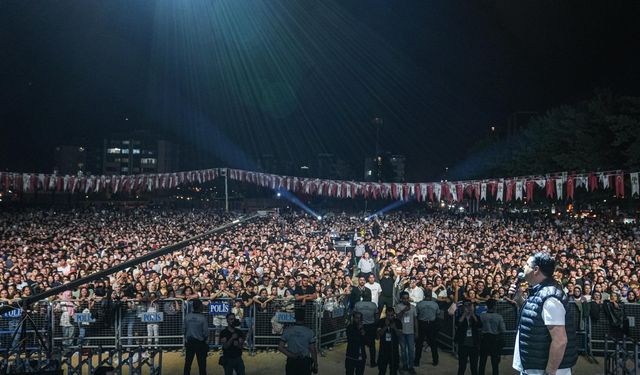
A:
333,364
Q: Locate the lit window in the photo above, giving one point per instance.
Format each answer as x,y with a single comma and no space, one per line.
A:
125,169
113,150
81,149
369,172
148,161
125,142
125,151
136,151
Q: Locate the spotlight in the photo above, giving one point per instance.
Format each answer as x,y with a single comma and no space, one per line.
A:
319,217
278,195
366,219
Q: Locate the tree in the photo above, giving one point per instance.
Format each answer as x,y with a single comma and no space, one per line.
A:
597,134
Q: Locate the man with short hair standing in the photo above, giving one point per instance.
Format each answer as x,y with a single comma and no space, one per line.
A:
366,265
491,342
232,341
298,343
407,315
386,288
546,339
369,312
375,288
356,356
427,311
196,332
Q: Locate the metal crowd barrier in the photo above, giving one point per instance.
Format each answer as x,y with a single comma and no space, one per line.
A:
271,320
84,323
155,324
333,320
509,313
216,311
110,324
446,331
618,359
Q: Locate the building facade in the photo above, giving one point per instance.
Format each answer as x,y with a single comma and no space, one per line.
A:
139,154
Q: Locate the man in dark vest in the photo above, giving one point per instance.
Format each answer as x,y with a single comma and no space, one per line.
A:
546,339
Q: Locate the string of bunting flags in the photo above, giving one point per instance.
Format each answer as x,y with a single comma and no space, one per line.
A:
31,182
555,186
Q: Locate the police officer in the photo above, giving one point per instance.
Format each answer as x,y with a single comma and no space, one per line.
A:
356,356
491,342
427,310
196,332
298,343
369,312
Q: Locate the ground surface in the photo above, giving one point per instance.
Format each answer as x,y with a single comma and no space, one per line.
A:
333,364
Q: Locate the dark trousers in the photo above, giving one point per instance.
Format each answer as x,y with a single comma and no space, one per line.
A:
354,366
234,364
370,341
388,357
385,301
427,331
199,349
298,366
491,346
470,353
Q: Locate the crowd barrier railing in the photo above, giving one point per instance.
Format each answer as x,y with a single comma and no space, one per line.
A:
14,336
277,314
152,324
446,331
159,325
333,318
590,336
216,311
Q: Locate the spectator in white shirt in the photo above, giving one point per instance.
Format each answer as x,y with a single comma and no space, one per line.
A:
375,288
416,293
366,265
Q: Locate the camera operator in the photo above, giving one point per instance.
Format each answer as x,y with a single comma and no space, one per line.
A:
232,341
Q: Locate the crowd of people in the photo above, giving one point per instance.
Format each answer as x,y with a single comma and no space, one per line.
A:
293,256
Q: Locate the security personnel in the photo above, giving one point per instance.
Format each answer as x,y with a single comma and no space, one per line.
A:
298,343
196,332
427,310
492,341
369,312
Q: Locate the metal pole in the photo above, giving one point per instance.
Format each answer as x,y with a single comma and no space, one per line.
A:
226,190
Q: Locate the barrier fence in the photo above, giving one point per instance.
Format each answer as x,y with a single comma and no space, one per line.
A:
159,325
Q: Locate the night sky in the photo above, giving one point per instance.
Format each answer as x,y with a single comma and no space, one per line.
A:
232,79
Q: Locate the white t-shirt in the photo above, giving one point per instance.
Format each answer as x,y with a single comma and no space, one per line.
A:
376,289
553,313
416,295
366,265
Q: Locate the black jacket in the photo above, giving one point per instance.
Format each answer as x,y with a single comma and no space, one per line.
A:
461,330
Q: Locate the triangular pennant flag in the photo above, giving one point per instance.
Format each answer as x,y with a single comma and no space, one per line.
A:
559,183
635,188
519,189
